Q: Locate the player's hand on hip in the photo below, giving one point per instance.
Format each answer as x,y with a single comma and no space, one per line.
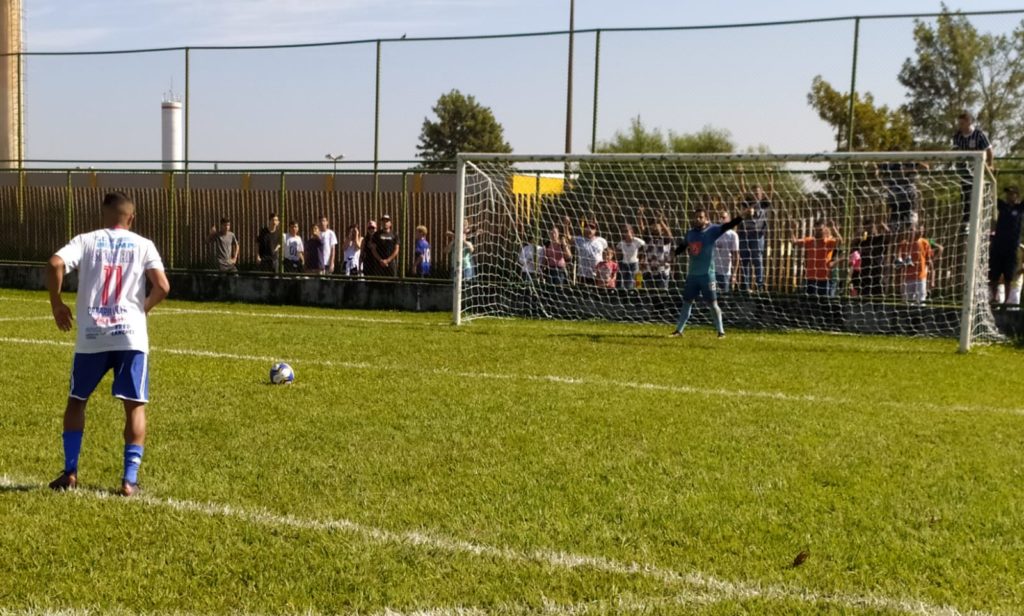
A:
62,316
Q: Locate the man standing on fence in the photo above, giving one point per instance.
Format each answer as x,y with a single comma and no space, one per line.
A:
113,266
225,246
969,138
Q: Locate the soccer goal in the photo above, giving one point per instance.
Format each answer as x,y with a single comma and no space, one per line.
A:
883,243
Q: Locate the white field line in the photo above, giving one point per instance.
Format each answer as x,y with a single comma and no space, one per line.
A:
621,604
166,310
276,315
200,353
566,380
722,590
17,319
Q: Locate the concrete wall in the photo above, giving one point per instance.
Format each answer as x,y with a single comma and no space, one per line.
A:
267,289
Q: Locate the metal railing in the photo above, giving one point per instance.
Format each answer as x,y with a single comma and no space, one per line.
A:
603,51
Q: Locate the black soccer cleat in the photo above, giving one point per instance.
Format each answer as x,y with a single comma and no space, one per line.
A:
68,480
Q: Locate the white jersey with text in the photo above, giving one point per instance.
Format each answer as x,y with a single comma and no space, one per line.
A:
110,309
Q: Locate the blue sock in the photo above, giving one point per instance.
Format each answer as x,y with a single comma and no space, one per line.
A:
132,460
72,447
684,316
716,316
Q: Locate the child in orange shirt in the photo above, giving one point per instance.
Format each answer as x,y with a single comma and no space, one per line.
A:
915,254
819,258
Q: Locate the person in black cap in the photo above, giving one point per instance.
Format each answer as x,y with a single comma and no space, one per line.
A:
366,261
1002,261
384,250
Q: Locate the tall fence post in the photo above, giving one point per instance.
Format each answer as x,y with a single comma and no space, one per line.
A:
172,217
283,206
568,93
69,208
404,262
850,206
188,182
597,74
376,134
853,84
21,161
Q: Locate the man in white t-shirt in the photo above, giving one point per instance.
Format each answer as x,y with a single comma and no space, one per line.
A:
113,266
589,251
727,256
330,241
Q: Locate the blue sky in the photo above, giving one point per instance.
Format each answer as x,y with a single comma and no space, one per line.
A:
299,104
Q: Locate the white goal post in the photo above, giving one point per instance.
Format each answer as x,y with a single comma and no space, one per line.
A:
862,242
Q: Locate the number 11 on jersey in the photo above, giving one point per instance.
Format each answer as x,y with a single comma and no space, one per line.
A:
111,271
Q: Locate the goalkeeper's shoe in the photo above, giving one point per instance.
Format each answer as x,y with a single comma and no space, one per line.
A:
68,480
129,489
721,334
675,334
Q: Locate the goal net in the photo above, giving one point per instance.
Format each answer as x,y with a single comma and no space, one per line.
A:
886,243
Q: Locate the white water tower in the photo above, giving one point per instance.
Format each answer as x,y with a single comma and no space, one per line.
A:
170,110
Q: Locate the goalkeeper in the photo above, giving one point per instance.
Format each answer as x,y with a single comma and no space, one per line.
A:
700,244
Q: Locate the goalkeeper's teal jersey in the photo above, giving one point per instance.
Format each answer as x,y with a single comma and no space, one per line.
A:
700,245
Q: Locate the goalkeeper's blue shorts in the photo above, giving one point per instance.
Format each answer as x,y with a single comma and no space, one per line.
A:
698,286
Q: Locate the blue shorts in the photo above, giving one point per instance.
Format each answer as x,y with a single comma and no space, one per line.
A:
698,286
131,374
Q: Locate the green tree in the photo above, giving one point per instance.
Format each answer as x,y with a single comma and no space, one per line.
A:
876,128
636,139
639,139
708,140
461,125
957,68
668,190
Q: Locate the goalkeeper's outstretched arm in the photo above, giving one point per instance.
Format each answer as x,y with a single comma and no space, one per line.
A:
736,220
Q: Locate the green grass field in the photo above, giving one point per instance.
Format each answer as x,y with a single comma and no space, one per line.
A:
515,467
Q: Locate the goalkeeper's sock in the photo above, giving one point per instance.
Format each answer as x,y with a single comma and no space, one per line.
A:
716,316
684,316
72,447
132,461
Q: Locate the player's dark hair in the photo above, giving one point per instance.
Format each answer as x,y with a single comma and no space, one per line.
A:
965,115
116,200
225,221
272,216
700,210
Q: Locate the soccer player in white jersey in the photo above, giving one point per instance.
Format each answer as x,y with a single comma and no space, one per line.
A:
113,266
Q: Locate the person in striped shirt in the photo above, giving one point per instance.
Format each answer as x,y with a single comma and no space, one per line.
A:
969,138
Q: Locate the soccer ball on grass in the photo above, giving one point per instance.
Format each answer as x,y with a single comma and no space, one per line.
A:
281,374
